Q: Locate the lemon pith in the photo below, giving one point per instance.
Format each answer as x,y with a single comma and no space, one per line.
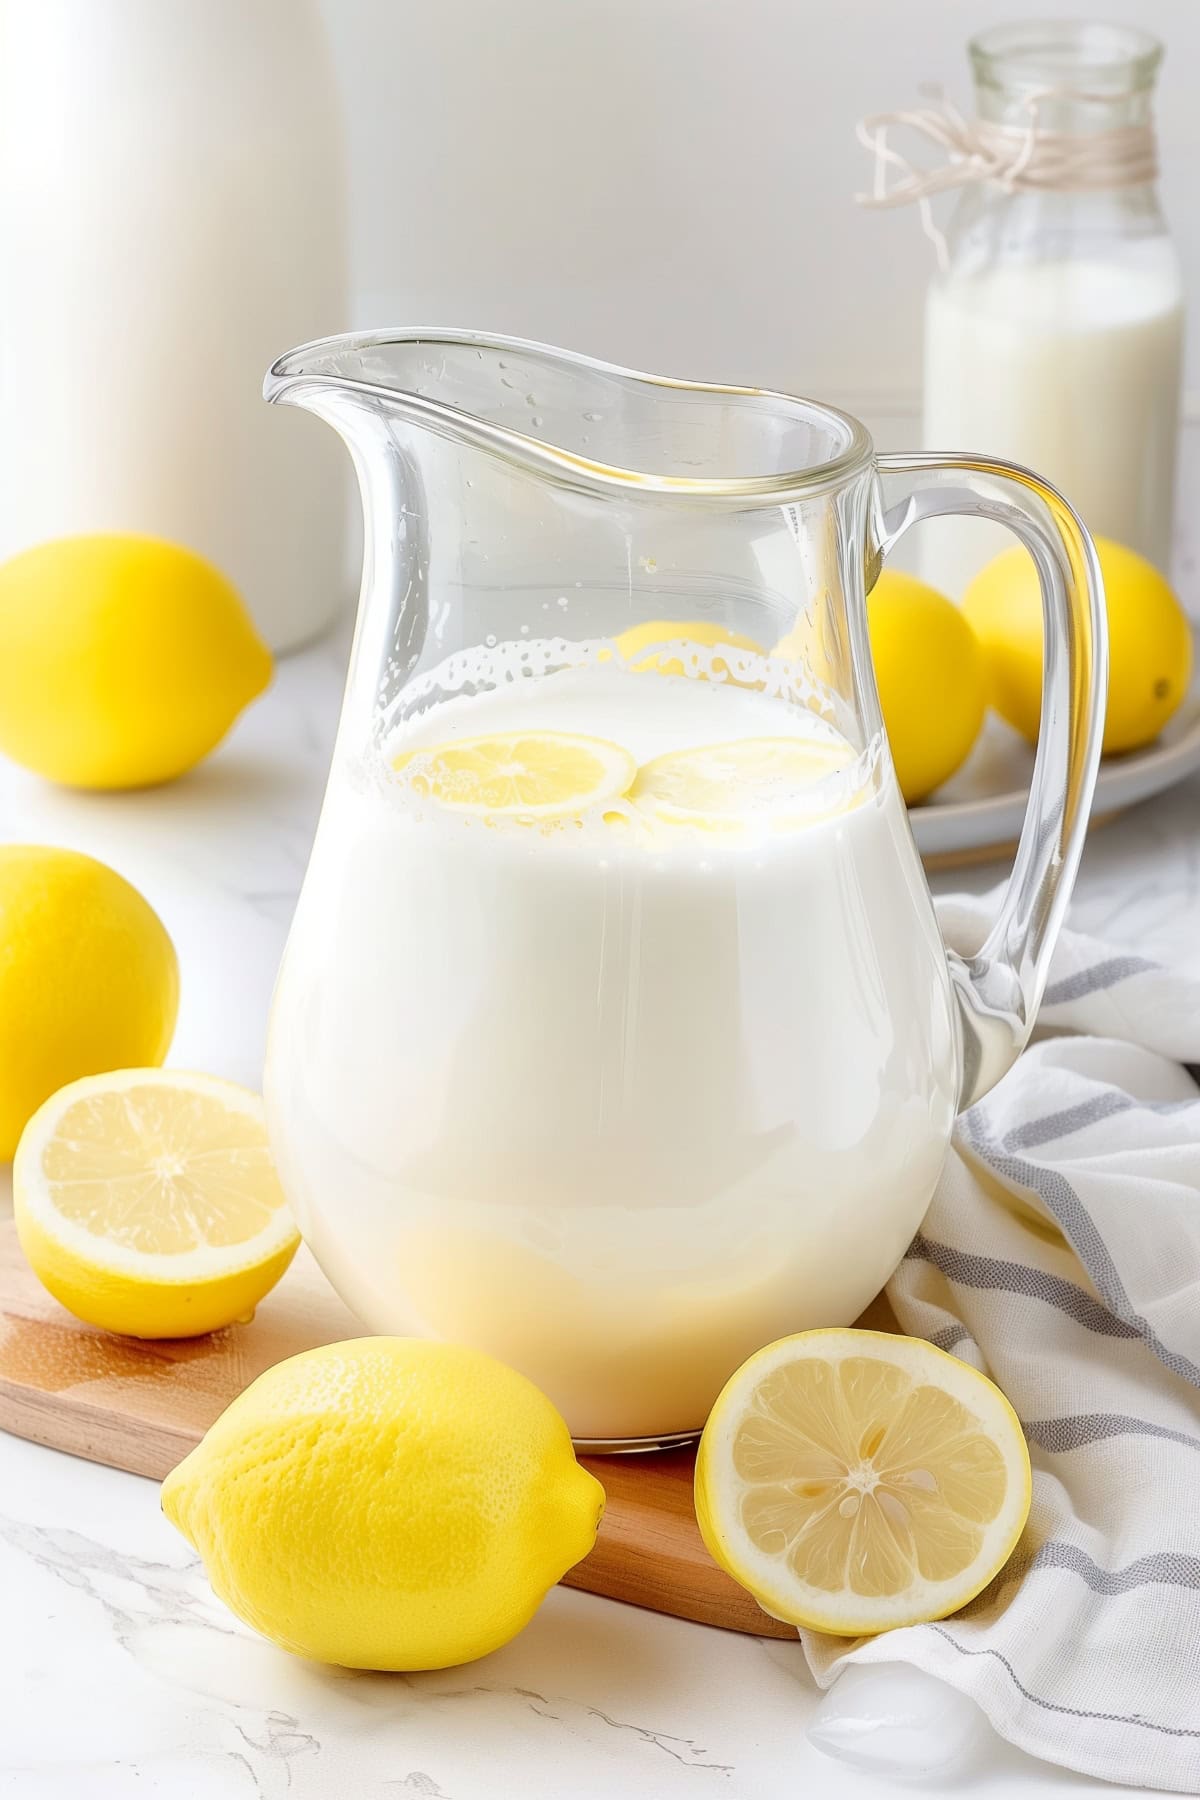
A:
854,1481
386,1503
147,1203
529,774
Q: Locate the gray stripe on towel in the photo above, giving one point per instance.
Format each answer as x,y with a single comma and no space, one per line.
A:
1088,1112
1074,1430
1090,981
950,1336
1072,1712
1079,1228
971,1270
1162,1568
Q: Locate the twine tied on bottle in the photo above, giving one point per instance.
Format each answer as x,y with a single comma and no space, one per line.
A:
1018,158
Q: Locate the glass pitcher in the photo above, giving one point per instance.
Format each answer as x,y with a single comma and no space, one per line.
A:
615,1034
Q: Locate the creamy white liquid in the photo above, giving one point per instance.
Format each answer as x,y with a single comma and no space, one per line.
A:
618,1106
1071,368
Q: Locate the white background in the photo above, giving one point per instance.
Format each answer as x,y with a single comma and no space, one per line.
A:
670,183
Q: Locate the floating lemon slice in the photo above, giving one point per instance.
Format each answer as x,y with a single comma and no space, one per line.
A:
854,1481
147,1202
523,774
728,784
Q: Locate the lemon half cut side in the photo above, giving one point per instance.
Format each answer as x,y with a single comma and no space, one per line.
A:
148,1204
854,1481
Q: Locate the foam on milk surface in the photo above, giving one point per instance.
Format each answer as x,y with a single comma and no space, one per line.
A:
619,1113
613,702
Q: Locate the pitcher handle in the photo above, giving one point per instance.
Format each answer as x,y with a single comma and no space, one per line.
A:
998,991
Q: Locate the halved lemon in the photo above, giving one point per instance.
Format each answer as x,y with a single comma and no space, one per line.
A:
521,774
147,1202
776,779
854,1481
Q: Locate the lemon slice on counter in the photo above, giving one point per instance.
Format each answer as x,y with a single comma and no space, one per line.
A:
777,779
854,1481
520,774
147,1202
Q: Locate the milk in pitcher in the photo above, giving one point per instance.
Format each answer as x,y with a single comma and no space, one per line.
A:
622,1098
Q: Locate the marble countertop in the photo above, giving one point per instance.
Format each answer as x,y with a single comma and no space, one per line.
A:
120,1674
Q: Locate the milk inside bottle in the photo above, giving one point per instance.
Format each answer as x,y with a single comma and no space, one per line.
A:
1054,328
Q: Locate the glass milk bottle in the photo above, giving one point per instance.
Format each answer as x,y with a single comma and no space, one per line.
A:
1054,333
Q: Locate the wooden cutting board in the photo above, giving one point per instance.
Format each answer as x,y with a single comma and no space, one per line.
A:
142,1406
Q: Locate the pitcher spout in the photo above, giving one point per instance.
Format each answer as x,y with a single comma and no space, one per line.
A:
589,424
494,471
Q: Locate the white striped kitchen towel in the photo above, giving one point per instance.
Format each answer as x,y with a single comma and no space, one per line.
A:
1061,1255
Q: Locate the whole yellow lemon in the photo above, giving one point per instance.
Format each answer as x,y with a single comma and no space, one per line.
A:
88,978
930,676
1149,643
387,1503
123,660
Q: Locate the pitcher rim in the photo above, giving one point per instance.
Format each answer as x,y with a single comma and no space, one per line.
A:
285,377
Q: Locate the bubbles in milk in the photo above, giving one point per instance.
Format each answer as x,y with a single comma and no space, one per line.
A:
495,664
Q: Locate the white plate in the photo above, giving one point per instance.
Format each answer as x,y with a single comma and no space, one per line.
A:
982,807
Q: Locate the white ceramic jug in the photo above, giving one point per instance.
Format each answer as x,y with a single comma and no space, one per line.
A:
171,210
